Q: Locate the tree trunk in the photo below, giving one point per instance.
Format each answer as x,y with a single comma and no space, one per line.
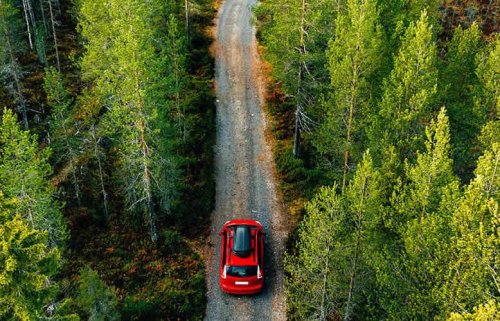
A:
76,186
146,176
352,107
357,251
95,143
26,18
44,19
146,179
353,278
323,314
296,140
54,35
31,15
74,179
188,23
298,112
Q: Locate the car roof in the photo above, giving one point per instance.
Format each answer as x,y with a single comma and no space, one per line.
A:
244,239
242,243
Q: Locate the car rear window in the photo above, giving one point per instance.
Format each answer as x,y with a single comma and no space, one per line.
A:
242,271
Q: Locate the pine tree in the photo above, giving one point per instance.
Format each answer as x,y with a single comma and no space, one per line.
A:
296,41
63,131
310,286
354,55
410,90
330,271
460,80
427,220
177,79
130,85
432,170
27,266
364,208
24,171
95,298
10,48
474,244
488,96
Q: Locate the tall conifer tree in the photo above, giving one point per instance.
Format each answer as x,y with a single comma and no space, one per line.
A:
354,55
24,172
26,266
460,82
410,91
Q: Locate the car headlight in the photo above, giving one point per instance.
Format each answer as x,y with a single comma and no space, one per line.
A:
224,275
259,274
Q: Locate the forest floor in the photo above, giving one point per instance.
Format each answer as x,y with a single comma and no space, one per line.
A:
246,184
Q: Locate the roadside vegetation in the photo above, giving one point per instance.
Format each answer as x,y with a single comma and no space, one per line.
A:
106,179
386,115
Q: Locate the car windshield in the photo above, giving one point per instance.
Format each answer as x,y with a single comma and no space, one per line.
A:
242,271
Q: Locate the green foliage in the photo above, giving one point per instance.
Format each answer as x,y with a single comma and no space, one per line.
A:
62,138
488,98
310,283
354,55
285,22
169,241
425,221
95,298
416,244
27,266
460,84
24,171
487,312
139,310
129,85
329,273
64,133
10,28
475,241
432,170
409,92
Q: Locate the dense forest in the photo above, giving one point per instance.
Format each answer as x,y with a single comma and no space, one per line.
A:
386,115
106,139
386,120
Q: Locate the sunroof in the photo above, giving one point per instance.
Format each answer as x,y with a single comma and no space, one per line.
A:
241,245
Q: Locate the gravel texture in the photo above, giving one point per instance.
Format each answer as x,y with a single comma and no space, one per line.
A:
246,185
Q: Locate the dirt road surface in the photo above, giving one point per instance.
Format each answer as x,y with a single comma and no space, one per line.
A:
245,184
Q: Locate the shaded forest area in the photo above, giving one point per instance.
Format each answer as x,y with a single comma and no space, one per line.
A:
386,115
106,179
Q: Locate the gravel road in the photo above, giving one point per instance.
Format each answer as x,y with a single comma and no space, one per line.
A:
246,187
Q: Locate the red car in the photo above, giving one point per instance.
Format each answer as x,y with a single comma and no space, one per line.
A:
242,257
